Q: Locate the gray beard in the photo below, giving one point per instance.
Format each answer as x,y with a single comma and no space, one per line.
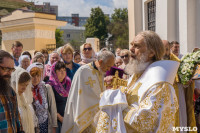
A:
136,66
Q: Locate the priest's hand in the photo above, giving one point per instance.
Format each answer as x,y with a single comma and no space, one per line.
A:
108,81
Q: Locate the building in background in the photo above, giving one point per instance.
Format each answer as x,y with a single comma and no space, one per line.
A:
74,19
73,34
173,20
47,8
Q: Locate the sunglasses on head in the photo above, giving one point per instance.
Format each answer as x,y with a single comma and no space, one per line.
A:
87,49
124,56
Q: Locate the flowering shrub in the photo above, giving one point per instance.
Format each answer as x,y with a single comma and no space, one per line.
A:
188,66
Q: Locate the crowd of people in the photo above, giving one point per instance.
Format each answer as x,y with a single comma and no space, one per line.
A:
63,91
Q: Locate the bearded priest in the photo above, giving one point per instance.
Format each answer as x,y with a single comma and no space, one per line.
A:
83,102
151,99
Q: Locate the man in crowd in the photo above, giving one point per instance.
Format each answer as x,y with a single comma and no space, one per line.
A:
151,98
175,48
83,100
17,48
9,115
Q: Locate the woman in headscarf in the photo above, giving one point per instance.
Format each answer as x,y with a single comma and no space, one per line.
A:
39,57
61,84
24,61
43,100
21,83
87,54
67,56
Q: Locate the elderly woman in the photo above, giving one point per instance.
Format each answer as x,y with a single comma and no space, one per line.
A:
67,56
39,57
61,84
53,57
43,100
77,57
125,56
118,61
24,61
21,83
87,54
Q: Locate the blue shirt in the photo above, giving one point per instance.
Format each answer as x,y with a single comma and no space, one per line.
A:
70,73
16,62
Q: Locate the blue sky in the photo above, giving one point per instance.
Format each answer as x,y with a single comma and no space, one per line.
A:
83,7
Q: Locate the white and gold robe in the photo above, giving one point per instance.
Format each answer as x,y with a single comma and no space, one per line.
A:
152,102
83,100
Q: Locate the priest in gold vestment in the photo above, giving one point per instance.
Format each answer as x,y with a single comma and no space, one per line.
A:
151,99
83,101
185,115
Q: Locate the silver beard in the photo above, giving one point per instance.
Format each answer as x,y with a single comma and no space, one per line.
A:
136,66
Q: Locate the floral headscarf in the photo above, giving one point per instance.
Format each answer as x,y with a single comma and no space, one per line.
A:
54,82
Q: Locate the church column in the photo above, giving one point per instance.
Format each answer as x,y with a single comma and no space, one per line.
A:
134,18
187,25
166,19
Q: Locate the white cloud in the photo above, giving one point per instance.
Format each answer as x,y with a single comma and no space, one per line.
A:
67,7
120,3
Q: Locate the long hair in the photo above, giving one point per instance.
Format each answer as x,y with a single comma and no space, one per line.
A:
154,44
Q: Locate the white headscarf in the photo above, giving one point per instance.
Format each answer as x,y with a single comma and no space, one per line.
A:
87,60
21,58
24,101
39,65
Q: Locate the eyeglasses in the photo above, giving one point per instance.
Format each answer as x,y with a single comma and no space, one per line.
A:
87,49
7,69
124,56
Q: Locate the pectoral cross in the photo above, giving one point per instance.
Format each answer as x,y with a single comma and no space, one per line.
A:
90,82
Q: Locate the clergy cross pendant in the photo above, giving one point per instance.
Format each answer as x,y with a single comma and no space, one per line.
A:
90,82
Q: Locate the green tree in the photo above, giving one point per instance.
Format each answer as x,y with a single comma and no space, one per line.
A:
96,24
118,27
59,39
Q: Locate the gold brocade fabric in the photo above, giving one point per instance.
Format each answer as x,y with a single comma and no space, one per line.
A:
177,120
153,114
189,92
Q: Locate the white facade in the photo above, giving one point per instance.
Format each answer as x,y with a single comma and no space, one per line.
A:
176,20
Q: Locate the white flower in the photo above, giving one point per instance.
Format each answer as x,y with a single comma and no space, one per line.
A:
183,71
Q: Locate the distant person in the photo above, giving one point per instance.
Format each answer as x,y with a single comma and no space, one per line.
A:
21,83
9,113
53,57
61,84
67,56
175,48
39,57
87,54
125,56
46,55
43,100
17,48
77,57
117,52
118,61
24,61
27,53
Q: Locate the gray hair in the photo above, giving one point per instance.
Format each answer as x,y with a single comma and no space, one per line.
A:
105,55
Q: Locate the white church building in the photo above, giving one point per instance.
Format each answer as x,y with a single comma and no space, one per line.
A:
173,20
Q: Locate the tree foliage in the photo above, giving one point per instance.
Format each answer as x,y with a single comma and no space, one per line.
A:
118,27
59,39
96,24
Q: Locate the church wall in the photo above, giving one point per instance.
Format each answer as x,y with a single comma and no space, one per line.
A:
197,24
135,13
